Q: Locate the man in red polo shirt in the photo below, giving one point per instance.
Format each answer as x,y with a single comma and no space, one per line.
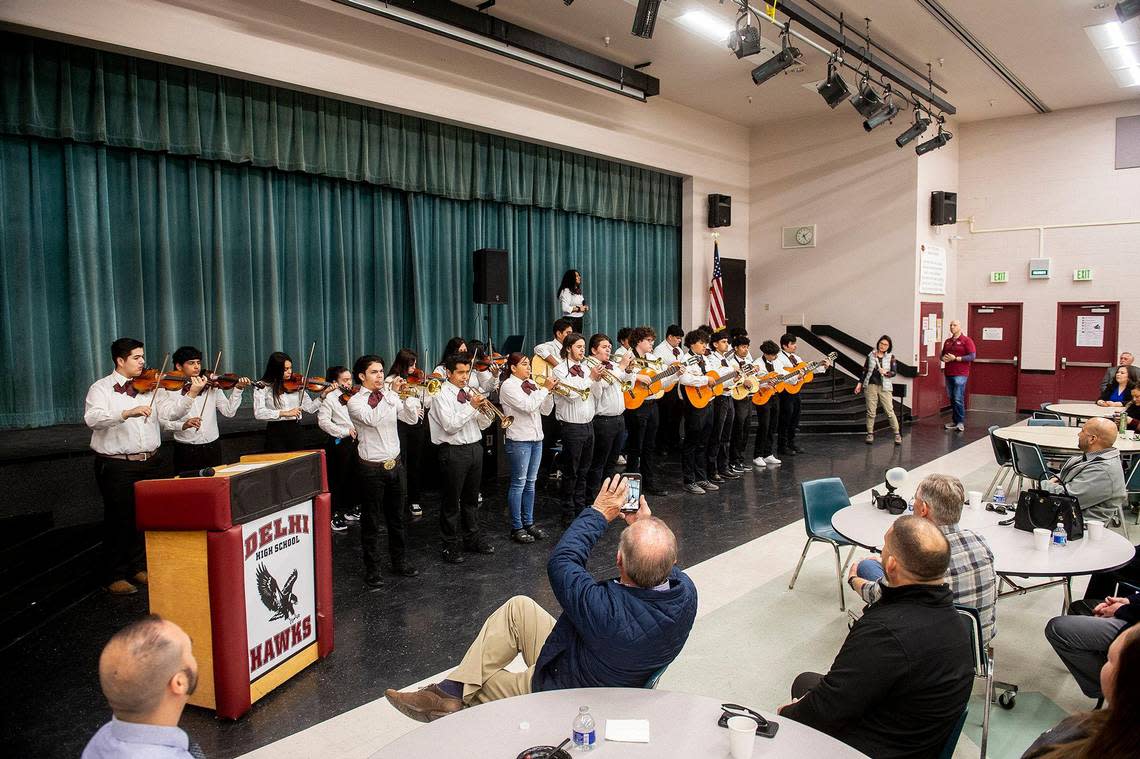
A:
958,353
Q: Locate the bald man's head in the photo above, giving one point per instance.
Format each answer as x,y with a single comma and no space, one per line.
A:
145,664
647,552
1096,435
915,551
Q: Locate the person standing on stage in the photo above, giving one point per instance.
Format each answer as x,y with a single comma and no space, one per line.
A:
670,410
457,423
551,353
790,403
642,422
609,408
126,442
196,442
876,386
620,351
413,437
526,401
280,409
374,411
958,354
571,302
575,417
698,421
741,361
720,432
768,414
340,446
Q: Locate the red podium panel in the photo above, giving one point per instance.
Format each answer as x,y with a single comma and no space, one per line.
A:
243,562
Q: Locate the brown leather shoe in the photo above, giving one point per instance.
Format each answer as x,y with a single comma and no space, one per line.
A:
424,705
140,578
121,588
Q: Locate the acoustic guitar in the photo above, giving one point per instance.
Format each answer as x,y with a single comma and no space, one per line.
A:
769,385
803,373
702,396
641,392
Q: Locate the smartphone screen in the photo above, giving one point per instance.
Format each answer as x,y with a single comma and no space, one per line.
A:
633,497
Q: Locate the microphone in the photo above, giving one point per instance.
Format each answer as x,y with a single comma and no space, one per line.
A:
207,472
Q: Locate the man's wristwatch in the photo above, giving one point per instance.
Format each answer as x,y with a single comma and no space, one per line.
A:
851,581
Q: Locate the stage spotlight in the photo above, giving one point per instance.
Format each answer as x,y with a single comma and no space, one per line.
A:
1127,9
866,101
777,63
882,116
645,19
934,143
833,89
916,129
745,41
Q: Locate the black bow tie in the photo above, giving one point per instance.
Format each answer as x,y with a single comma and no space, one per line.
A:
126,388
529,387
375,397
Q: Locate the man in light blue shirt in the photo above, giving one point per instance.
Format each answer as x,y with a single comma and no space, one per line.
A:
148,672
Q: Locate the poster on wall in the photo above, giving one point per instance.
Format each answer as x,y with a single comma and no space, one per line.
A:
280,587
992,333
932,270
1090,331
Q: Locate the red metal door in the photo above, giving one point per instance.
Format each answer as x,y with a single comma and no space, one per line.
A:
929,387
996,331
1086,347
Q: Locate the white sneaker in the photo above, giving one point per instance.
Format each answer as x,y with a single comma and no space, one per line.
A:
621,460
949,426
961,428
772,461
759,462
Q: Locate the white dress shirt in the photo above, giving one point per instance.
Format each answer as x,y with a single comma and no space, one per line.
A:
669,354
111,435
332,416
208,411
527,409
785,361
619,353
568,301
268,409
694,375
610,400
453,422
377,438
482,382
573,409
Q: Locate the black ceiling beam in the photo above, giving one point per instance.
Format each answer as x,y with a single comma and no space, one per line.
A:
482,24
825,31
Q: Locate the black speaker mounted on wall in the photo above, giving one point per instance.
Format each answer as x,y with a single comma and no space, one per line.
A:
720,211
492,275
943,208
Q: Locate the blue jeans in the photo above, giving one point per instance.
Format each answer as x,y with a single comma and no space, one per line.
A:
870,570
525,456
956,389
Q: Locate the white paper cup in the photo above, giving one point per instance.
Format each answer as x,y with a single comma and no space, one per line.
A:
975,497
741,737
1042,538
1095,528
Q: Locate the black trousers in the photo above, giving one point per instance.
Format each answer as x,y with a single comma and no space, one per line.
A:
283,436
382,491
698,425
551,431
123,553
415,451
720,433
641,445
789,420
608,430
340,460
741,416
575,322
577,455
462,470
767,423
671,410
190,457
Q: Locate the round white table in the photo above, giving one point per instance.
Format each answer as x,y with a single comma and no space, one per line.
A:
680,725
1080,411
1058,438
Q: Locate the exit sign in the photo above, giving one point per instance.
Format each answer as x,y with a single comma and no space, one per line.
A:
999,276
1082,275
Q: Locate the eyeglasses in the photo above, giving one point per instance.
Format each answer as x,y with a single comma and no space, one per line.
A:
736,710
997,509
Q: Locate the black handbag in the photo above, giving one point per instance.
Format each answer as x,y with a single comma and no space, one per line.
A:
1040,509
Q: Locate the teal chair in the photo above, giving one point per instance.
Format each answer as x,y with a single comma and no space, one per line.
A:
1132,484
983,662
821,499
1045,422
955,734
651,683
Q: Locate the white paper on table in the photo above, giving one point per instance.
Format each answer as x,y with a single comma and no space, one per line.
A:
627,730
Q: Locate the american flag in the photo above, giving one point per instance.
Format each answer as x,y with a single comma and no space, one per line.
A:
716,293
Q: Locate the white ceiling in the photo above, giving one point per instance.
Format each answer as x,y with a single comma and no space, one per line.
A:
1041,41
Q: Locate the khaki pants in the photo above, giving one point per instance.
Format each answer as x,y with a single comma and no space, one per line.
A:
874,396
520,626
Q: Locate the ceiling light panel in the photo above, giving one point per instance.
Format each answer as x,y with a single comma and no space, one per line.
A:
1119,48
707,25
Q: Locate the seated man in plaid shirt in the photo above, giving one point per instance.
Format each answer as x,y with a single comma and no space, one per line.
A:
971,576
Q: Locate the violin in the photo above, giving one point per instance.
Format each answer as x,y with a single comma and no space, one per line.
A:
150,380
296,382
484,363
226,381
346,394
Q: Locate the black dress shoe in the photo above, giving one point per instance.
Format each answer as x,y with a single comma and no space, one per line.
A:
729,475
656,491
452,556
480,545
797,449
536,531
716,478
521,536
372,580
405,570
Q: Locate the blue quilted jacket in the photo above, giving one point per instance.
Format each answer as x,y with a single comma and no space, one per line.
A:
609,635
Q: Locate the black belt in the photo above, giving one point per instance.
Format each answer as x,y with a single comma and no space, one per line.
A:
387,465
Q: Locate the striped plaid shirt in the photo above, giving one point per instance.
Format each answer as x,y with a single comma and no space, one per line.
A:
971,577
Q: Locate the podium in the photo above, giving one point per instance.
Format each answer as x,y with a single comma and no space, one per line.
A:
242,561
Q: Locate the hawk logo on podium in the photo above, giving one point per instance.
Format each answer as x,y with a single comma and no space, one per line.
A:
275,599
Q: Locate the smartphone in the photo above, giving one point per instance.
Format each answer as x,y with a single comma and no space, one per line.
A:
633,497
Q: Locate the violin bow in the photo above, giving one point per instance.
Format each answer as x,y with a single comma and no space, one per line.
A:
206,395
158,382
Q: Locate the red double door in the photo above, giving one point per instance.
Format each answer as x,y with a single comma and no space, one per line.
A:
1086,348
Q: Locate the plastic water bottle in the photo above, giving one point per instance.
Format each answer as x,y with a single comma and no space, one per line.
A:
1060,537
999,496
583,731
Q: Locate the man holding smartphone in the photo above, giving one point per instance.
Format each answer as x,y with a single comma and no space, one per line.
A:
599,640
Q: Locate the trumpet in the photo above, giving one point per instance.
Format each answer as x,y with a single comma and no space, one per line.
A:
433,382
651,363
491,409
561,388
609,377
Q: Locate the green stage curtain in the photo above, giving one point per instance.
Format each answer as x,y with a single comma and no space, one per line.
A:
61,91
102,242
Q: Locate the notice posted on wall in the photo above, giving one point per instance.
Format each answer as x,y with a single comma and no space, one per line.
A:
992,333
932,270
1090,331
